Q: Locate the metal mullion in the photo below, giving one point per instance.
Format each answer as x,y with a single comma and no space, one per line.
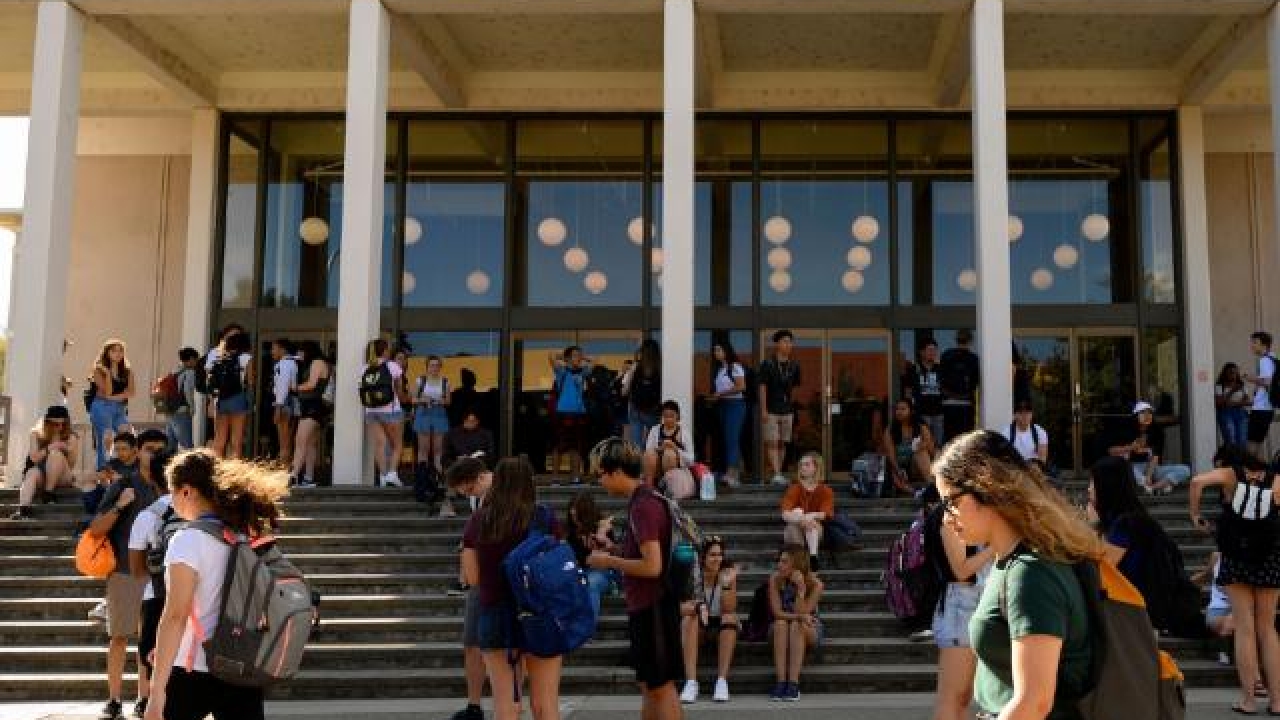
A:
397,226
511,267
646,246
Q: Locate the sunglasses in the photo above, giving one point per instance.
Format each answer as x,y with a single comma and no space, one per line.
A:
950,503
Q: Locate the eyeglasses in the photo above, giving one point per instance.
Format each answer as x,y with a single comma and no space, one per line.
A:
950,503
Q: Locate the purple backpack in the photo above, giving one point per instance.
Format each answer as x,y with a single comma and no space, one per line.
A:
911,582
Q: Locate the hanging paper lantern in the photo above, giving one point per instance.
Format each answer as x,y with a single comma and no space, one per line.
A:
478,282
967,280
656,259
1095,227
858,257
595,282
576,259
1066,256
412,230
866,229
777,230
552,232
779,258
635,231
408,283
314,231
1042,279
852,281
1015,228
780,281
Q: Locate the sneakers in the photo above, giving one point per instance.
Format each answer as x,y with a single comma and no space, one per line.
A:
48,498
470,712
1224,659
392,479
793,693
780,479
779,692
113,710
140,708
689,695
457,589
446,509
731,481
721,694
305,483
99,613
921,636
22,513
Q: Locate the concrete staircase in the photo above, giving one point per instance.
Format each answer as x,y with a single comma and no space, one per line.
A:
390,630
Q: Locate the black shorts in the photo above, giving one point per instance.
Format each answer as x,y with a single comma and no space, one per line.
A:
496,628
571,433
656,654
195,695
151,611
1260,425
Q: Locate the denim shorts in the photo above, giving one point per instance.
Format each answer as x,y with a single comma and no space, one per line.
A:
383,417
433,419
497,627
237,404
951,619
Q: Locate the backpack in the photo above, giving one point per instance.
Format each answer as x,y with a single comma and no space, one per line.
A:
90,393
377,386
840,533
1129,677
1273,392
867,475
201,379
1247,528
1173,602
760,618
170,523
166,398
95,557
912,585
266,617
681,573
553,600
225,379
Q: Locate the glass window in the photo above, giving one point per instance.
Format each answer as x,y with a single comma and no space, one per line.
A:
583,191
471,366
1162,373
240,216
935,212
1159,280
455,224
824,213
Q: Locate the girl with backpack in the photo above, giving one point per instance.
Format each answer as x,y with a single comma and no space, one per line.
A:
794,592
510,509
380,391
230,375
431,400
313,412
1250,566
908,448
1030,629
245,498
110,393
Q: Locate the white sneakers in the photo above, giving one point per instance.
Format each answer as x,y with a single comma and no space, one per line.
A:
689,695
392,479
780,479
446,509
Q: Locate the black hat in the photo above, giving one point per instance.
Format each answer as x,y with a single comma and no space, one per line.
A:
57,412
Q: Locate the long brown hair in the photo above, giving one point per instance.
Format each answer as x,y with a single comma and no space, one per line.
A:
245,495
799,555
104,360
509,505
44,431
986,465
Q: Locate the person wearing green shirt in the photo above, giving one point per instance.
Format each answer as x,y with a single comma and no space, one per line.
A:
1030,630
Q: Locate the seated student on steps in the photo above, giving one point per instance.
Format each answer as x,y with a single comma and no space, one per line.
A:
712,615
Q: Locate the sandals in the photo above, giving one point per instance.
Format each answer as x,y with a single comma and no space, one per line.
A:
1235,708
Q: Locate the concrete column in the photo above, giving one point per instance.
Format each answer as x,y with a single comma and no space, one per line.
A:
1197,299
38,311
677,203
361,262
991,212
201,208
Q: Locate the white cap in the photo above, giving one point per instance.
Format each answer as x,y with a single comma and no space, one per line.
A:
1142,406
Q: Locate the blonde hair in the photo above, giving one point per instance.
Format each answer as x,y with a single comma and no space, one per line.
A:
987,466
820,468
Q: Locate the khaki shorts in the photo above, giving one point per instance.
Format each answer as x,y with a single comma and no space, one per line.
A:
124,605
777,428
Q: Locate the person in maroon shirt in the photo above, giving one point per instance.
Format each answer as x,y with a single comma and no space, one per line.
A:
492,532
653,616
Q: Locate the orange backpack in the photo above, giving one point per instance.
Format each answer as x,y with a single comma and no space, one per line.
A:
94,556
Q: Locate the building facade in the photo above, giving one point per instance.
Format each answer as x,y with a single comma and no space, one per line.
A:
1089,184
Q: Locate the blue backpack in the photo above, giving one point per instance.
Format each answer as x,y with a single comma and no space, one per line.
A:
553,604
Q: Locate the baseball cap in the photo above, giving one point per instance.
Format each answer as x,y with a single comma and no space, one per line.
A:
1142,406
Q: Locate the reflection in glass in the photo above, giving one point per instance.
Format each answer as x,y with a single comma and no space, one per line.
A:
1162,372
239,222
471,365
1108,382
1047,361
935,212
454,244
578,249
860,390
1159,279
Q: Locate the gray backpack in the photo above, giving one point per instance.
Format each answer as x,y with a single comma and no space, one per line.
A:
267,615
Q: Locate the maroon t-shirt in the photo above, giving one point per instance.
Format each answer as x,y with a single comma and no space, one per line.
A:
647,521
494,589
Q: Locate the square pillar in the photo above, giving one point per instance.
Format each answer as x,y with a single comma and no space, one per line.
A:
360,274
199,261
1197,299
37,320
678,75
991,212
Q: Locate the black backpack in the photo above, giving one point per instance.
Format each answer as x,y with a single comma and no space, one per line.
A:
1273,392
760,617
1247,528
377,387
170,523
646,392
224,379
90,393
201,379
1173,601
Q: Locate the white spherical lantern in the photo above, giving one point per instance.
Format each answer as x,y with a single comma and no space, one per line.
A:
314,230
408,283
412,230
1015,228
967,280
779,258
865,229
656,259
635,230
1042,279
552,232
478,282
852,281
858,257
595,282
1095,227
576,259
1066,256
780,281
777,230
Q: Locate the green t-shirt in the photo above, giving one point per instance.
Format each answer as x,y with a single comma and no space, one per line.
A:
1041,598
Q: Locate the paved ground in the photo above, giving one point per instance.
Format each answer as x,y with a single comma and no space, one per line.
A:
1204,705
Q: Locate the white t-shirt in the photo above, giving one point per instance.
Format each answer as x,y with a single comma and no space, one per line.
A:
432,390
285,376
1266,371
1025,440
207,556
396,373
145,533
725,380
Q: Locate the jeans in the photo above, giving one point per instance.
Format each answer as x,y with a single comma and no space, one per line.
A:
600,582
179,431
1173,474
640,424
107,416
733,413
1233,423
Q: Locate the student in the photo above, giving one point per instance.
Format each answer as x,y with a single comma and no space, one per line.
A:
234,402
1127,529
385,423
1029,438
806,505
144,537
284,410
467,440
961,373
713,614
431,400
472,478
571,369
492,532
670,436
794,592
922,385
653,616
179,426
728,384
588,530
245,498
1031,628
642,387
127,495
52,453
1146,449
109,411
908,448
1263,410
779,376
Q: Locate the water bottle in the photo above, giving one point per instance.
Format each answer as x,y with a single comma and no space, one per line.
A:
707,487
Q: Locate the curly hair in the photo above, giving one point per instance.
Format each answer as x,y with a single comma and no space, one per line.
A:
985,465
245,495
